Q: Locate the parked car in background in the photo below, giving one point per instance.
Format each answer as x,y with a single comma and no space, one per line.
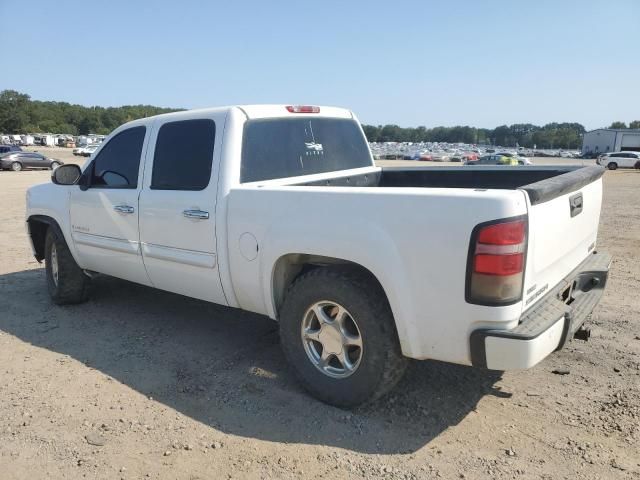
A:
614,160
17,161
79,150
520,159
440,157
9,148
494,159
463,156
88,150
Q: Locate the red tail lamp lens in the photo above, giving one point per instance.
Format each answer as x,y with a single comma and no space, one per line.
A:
509,233
499,264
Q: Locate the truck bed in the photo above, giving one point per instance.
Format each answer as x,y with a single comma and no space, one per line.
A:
540,182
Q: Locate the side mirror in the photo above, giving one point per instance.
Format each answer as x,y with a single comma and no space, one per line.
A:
66,174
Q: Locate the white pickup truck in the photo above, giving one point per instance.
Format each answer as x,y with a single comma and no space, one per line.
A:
280,210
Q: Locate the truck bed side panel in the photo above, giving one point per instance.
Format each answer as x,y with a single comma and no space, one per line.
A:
415,241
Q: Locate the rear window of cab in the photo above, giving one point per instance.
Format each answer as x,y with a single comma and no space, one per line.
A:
290,147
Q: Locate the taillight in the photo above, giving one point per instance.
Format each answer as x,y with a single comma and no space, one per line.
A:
302,109
496,262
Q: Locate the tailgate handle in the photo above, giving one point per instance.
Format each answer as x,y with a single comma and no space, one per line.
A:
575,202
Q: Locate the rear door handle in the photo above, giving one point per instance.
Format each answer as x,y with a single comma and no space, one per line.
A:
124,209
196,214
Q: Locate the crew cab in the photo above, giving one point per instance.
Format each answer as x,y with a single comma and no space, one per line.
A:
280,210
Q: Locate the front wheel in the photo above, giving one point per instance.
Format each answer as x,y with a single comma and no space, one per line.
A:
54,165
338,334
612,166
66,282
16,166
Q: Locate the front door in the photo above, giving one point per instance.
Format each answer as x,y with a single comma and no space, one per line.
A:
104,216
177,206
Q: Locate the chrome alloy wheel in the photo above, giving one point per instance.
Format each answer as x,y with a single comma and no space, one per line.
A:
331,339
54,264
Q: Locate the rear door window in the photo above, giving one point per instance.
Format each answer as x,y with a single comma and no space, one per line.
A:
184,155
289,147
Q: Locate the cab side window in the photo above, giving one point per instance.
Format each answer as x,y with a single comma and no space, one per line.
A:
118,163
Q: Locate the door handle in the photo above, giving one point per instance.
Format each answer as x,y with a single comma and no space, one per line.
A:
124,209
196,214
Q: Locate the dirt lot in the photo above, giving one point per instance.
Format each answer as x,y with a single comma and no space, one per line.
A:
140,383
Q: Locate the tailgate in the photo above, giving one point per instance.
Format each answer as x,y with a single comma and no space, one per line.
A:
564,213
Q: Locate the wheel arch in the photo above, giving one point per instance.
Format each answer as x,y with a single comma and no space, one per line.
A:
38,225
291,265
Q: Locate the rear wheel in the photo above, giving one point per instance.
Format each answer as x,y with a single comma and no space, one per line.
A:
612,165
338,334
16,166
66,282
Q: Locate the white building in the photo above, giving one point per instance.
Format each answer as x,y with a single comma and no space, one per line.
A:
610,140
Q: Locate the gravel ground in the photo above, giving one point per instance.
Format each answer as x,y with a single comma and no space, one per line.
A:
140,383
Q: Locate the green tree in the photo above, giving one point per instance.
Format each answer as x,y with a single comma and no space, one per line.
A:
14,114
371,132
618,125
635,124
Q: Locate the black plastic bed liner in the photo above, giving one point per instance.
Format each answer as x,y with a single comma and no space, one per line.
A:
542,183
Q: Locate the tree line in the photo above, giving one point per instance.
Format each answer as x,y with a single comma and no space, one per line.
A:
20,114
622,125
551,135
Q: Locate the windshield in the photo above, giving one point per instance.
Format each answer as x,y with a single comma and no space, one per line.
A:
289,147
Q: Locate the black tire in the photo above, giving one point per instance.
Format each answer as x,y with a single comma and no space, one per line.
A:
381,365
54,165
72,285
612,165
16,166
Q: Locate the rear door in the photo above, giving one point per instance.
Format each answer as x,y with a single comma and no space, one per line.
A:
562,233
38,161
104,217
177,205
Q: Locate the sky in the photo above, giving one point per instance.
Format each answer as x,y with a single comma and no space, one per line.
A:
411,63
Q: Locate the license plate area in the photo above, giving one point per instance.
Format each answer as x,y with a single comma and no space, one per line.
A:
566,294
581,284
